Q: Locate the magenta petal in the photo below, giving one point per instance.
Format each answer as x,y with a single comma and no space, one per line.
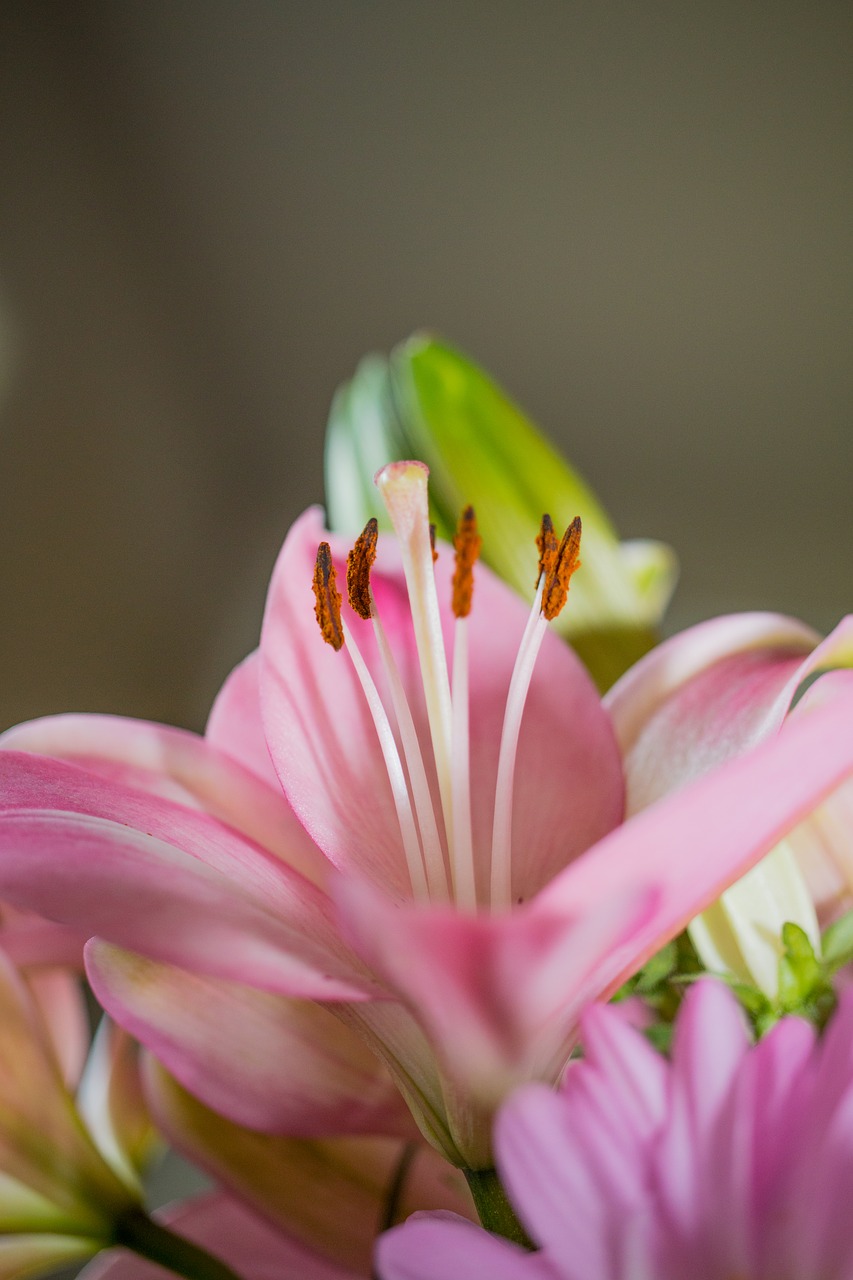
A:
167,881
232,1232
284,1066
696,842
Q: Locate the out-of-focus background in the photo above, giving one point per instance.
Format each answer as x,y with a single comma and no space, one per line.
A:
636,216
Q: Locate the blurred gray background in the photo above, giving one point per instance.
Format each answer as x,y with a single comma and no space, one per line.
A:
637,216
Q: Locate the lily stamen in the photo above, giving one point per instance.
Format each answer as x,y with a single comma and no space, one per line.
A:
327,609
559,573
546,543
466,543
359,563
328,613
556,566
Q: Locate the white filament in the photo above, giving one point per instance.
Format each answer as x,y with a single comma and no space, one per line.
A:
430,838
397,778
531,641
462,847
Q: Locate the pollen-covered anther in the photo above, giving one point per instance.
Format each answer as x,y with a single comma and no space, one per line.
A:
566,563
466,543
432,542
359,563
327,609
546,544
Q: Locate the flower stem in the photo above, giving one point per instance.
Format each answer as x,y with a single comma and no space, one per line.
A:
136,1231
496,1213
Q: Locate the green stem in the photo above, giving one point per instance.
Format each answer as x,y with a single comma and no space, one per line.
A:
136,1231
496,1213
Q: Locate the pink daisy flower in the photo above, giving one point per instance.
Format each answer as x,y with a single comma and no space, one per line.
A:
731,1161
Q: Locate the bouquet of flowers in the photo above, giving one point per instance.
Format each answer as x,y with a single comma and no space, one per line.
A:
482,931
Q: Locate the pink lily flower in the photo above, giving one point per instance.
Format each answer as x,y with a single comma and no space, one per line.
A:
731,1159
430,852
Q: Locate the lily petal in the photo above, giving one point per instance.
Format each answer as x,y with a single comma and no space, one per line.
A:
285,1066
823,846
702,838
235,726
182,767
26,1255
59,996
333,1196
327,753
111,1104
701,695
42,1143
180,887
498,997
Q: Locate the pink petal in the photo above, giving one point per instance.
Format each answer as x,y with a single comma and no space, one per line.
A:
63,1166
551,1176
59,997
284,1066
635,1075
823,845
33,943
702,696
704,1066
235,725
230,1231
697,841
434,1248
180,887
703,1154
111,1103
178,766
332,1195
782,1062
325,747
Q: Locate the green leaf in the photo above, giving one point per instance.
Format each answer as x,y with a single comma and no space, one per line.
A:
800,974
657,970
429,401
837,943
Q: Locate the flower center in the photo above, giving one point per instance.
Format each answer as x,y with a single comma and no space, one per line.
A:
437,838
